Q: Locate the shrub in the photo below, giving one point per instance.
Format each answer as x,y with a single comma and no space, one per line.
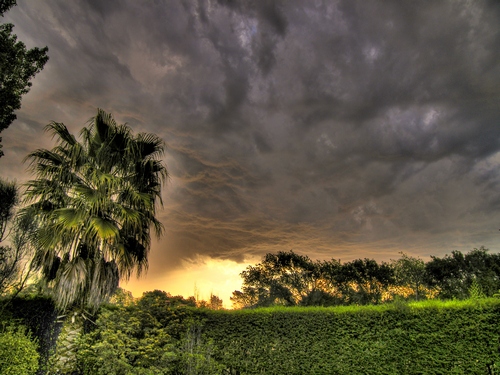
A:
195,353
18,352
124,342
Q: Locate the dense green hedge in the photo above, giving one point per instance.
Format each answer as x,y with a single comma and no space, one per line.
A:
456,337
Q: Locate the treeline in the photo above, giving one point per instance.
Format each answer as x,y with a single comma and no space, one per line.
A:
290,279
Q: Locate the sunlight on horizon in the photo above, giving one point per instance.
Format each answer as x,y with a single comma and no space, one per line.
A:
199,277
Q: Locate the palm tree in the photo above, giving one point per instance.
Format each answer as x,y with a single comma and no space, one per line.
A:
95,202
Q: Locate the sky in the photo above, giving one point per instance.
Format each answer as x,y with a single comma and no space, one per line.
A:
340,129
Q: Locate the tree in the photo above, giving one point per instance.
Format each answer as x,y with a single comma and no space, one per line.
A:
8,260
18,352
448,275
17,67
284,278
454,274
364,281
15,267
328,291
410,271
8,200
214,303
137,340
249,297
95,202
168,310
290,279
123,342
483,270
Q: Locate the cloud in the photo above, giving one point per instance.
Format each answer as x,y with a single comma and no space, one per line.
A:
337,129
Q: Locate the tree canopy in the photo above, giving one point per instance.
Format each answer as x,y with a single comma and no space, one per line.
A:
289,279
95,201
15,265
18,66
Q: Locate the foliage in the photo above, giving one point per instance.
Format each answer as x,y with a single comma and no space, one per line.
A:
39,315
363,281
196,353
18,352
136,339
122,297
15,267
125,343
284,278
8,260
454,274
431,337
17,67
169,311
8,200
410,272
289,279
95,203
475,290
214,303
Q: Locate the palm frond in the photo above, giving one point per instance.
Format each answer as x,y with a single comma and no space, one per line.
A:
58,129
95,203
70,217
70,282
149,146
44,157
131,255
104,228
104,282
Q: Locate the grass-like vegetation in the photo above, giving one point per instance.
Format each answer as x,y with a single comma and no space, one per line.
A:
396,305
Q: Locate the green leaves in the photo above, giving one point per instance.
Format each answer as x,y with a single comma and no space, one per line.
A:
17,67
430,337
91,197
61,131
124,342
8,200
70,217
18,352
158,334
152,335
290,279
105,229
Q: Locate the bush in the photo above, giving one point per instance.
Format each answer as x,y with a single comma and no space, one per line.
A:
129,340
124,342
38,315
18,352
195,353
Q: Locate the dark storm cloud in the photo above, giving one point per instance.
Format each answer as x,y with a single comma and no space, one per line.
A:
337,128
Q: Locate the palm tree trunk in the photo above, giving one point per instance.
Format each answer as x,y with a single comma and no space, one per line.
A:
63,361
